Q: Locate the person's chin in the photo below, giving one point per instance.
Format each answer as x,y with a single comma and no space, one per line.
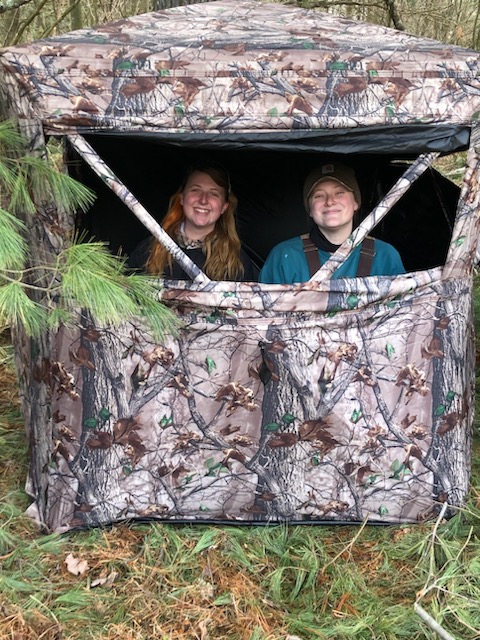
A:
202,222
330,224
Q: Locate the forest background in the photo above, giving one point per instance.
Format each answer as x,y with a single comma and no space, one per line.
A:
222,583
453,21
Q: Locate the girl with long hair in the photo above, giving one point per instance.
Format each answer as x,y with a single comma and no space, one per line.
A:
201,219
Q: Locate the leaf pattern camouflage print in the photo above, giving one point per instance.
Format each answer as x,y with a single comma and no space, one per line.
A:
329,401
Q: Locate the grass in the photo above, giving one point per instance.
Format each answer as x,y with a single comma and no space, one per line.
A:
170,582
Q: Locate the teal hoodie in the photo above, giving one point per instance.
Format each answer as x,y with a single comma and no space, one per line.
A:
287,264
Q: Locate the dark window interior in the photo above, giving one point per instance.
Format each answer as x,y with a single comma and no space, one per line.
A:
268,184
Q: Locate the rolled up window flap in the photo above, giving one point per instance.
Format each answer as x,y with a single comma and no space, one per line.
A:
115,184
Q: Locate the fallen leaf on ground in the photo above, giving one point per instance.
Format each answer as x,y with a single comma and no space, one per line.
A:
75,565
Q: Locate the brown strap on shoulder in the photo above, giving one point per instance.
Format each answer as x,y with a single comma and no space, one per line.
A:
367,253
311,254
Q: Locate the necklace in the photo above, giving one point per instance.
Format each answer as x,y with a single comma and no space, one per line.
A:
187,243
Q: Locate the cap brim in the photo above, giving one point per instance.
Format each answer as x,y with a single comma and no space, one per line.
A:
326,179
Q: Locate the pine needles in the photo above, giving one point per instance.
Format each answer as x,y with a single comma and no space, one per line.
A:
84,275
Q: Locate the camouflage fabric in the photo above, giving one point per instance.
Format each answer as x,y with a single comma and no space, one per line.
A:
333,400
242,66
282,405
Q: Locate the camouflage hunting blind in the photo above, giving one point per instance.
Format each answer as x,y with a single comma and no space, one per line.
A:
329,401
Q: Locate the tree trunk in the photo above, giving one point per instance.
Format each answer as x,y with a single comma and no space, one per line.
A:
454,372
110,445
76,14
287,403
394,15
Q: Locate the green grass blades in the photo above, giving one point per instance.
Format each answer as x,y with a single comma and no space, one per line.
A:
184,582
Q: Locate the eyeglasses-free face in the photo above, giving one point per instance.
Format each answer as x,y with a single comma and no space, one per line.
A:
332,207
203,202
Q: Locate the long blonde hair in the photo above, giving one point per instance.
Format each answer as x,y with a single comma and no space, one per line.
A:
221,246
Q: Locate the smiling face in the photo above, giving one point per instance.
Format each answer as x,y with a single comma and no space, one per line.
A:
203,202
332,207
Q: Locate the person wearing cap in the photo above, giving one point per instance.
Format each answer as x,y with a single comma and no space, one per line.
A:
201,219
332,197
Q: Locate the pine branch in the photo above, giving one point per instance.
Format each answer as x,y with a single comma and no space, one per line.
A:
83,275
